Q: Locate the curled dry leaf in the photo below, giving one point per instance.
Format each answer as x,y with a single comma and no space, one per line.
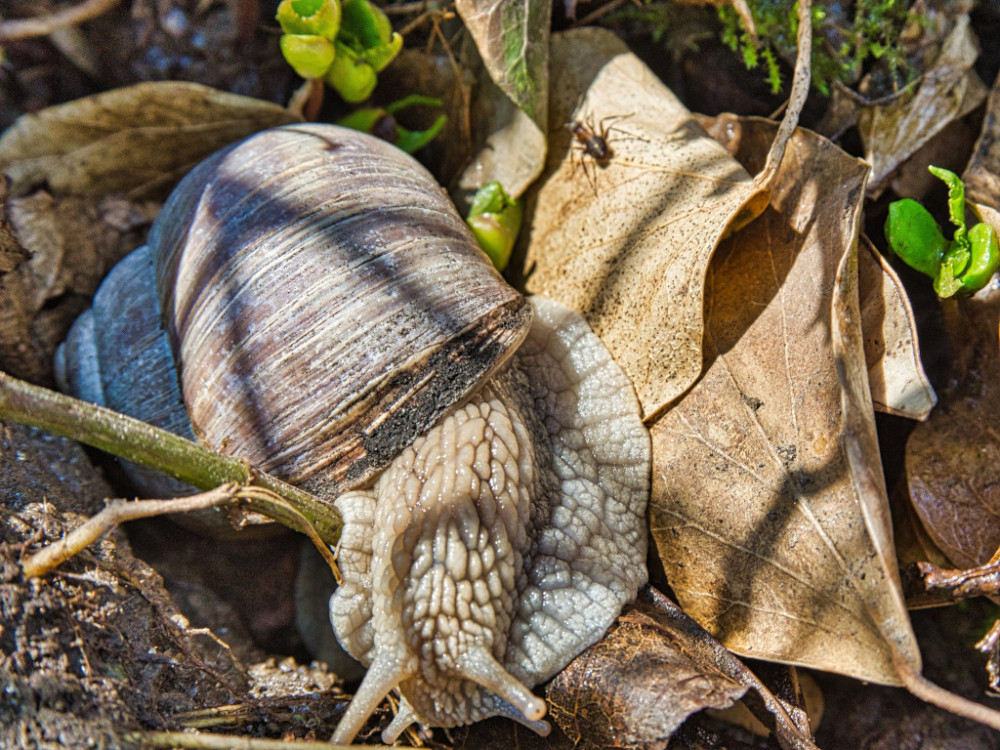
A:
627,244
982,175
896,375
952,458
57,251
636,686
512,37
511,146
138,140
892,130
769,507
651,671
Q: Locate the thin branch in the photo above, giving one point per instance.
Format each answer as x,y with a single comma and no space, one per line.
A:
114,514
26,28
801,81
171,454
226,742
961,584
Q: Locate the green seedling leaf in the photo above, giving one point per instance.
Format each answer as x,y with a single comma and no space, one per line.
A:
310,17
985,259
945,283
309,56
966,263
495,220
368,31
915,237
414,140
372,120
956,202
352,77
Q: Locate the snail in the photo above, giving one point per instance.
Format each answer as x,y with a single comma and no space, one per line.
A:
333,321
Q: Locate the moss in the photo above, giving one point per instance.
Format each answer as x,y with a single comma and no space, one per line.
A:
847,37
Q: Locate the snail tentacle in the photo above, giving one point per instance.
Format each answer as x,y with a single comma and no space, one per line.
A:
384,674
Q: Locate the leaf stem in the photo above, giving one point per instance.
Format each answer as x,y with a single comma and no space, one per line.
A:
158,449
936,695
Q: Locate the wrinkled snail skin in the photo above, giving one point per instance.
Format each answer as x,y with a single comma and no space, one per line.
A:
334,322
501,543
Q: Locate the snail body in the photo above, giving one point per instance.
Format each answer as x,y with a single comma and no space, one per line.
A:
332,321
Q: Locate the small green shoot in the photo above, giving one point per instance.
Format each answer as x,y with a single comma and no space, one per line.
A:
344,43
965,263
495,220
381,121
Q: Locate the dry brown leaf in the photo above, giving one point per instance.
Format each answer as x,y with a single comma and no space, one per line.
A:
512,147
651,671
982,175
893,130
636,686
769,507
624,236
512,37
137,140
66,245
896,375
953,459
913,545
627,245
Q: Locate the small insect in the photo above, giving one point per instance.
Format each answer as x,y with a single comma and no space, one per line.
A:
592,141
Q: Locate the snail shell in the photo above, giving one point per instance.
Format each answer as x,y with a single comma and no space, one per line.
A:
333,321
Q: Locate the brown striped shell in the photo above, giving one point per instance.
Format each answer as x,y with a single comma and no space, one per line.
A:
333,264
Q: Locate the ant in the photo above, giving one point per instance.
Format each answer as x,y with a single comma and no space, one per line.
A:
592,141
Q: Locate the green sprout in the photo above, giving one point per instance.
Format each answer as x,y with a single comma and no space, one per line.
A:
965,263
344,43
495,220
381,121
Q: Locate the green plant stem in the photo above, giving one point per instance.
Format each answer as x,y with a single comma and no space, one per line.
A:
158,449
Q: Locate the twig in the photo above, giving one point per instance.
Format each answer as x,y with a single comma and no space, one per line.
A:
226,742
596,15
801,80
961,584
117,512
26,28
158,449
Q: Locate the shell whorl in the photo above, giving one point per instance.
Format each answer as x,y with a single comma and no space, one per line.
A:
332,263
